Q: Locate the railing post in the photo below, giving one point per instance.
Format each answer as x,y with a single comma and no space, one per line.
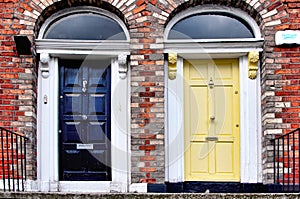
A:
12,160
294,162
274,161
17,152
288,158
7,160
3,163
278,168
25,173
11,155
289,147
298,160
22,169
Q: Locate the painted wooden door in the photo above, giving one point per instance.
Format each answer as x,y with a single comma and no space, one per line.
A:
211,114
84,120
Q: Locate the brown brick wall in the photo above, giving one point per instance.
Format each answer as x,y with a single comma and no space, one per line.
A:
278,87
146,20
147,87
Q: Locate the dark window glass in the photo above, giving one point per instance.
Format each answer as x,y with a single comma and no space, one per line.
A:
210,26
85,27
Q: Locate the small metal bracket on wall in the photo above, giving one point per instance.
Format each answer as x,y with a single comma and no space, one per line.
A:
44,67
123,65
172,65
253,58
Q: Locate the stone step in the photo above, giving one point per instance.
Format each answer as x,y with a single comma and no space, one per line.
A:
58,195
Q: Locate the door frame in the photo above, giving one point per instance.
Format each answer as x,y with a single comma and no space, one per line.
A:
250,120
47,134
49,51
250,97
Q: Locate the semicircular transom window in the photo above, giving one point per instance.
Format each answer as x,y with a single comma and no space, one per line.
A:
85,26
210,26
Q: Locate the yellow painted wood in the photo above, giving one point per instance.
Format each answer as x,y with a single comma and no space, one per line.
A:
211,120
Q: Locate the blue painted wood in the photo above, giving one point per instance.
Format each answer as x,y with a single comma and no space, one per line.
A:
84,118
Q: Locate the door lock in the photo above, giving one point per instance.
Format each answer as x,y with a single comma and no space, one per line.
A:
84,84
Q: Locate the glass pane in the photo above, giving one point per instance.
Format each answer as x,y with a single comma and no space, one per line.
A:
85,27
210,26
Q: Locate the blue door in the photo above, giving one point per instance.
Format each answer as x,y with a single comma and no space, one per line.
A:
84,120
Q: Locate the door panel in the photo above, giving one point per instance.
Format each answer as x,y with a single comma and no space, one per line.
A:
223,110
211,120
199,151
224,159
84,120
200,100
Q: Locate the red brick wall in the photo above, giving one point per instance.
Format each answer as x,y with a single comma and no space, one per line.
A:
147,85
146,20
286,68
289,72
17,77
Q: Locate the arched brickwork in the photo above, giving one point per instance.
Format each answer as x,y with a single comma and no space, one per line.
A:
60,5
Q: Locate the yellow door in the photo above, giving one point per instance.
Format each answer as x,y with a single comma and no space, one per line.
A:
211,114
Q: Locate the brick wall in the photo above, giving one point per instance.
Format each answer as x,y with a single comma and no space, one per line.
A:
279,83
146,20
17,79
147,85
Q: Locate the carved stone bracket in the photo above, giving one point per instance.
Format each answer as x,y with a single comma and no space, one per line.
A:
44,64
123,65
253,58
172,66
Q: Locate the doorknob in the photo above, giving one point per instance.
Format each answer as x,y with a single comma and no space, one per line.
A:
84,117
212,118
84,84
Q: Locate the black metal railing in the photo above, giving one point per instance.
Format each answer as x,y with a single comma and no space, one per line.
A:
13,160
287,162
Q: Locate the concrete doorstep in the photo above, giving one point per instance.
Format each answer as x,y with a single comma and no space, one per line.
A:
58,195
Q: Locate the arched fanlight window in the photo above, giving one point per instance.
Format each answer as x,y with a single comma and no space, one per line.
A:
210,26
85,26
83,30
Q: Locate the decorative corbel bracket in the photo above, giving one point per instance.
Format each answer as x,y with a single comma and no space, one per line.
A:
172,66
123,65
44,64
253,58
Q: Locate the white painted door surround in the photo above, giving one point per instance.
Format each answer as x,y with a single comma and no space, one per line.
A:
250,106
